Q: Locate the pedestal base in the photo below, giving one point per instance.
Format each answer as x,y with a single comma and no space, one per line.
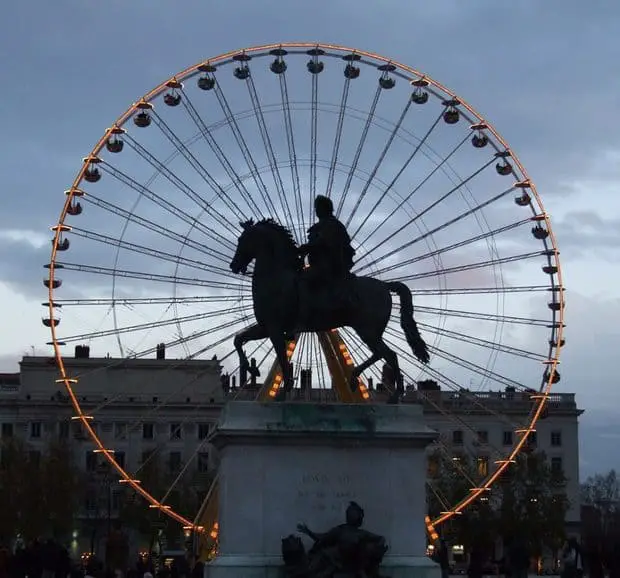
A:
286,463
271,567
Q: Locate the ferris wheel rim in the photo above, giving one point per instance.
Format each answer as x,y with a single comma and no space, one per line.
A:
541,396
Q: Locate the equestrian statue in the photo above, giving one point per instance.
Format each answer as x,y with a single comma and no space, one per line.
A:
290,297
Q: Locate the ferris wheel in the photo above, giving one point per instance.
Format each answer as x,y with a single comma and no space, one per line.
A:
431,194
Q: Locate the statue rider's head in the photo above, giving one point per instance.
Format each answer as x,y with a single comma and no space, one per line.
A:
323,207
354,515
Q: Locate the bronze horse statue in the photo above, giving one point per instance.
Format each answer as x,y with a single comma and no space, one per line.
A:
279,286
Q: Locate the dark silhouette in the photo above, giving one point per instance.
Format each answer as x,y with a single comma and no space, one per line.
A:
284,305
330,255
442,557
572,560
475,568
346,550
518,559
593,559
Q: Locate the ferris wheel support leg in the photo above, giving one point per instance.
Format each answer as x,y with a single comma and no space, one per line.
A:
344,373
205,523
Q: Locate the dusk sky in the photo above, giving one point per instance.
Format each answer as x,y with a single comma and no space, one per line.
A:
542,72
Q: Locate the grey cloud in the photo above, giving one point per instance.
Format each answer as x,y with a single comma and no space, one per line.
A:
586,233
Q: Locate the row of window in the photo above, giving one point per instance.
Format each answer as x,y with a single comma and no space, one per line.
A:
122,431
173,464
482,437
96,503
482,465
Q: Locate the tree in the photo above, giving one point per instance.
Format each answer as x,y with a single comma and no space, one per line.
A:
61,489
23,508
602,491
12,464
533,503
600,494
450,481
38,493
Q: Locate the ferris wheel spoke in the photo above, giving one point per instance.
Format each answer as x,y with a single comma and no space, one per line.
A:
486,343
314,120
336,146
243,147
95,270
358,151
143,250
206,176
479,290
176,342
376,168
470,266
132,301
420,214
353,338
292,151
438,167
478,369
271,156
452,247
156,324
131,217
181,186
443,379
167,206
448,223
439,495
399,173
206,134
493,317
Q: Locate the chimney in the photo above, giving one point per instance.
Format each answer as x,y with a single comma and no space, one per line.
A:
160,351
82,351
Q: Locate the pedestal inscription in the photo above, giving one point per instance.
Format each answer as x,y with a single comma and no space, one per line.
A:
319,492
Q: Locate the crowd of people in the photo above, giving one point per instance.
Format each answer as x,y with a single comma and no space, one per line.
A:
50,559
575,561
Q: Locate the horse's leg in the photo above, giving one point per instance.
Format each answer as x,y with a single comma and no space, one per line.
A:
278,341
252,333
380,350
359,369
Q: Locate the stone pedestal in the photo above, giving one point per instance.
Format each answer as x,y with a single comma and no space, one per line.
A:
285,463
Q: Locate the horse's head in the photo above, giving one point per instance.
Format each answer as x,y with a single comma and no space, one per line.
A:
267,239
245,252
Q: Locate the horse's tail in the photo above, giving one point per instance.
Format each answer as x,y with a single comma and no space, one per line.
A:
407,322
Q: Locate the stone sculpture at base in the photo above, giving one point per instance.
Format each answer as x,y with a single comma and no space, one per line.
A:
345,551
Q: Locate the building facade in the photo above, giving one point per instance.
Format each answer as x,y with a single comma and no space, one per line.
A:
166,408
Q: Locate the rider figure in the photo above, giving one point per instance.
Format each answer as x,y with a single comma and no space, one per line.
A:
329,250
330,255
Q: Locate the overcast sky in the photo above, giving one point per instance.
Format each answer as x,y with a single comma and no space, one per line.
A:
543,72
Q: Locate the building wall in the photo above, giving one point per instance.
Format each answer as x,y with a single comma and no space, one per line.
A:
129,398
